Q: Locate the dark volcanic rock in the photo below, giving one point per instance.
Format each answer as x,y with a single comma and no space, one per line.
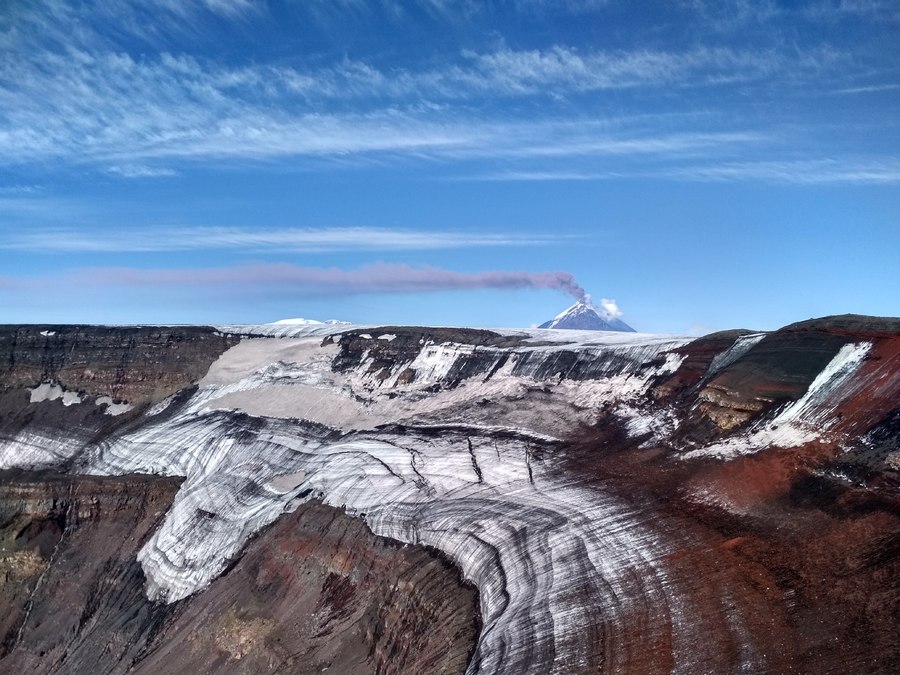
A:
316,590
755,559
407,342
778,369
699,356
138,366
486,352
853,324
72,592
133,364
810,556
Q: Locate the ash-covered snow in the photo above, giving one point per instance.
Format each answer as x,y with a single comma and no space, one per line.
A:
740,347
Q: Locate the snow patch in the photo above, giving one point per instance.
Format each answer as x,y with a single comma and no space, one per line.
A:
112,408
160,407
805,420
740,347
49,391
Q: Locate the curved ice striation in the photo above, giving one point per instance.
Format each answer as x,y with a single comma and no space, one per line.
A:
567,575
37,450
561,569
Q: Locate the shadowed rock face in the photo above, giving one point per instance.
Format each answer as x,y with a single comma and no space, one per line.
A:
621,503
315,591
777,369
318,591
137,365
72,590
75,385
780,368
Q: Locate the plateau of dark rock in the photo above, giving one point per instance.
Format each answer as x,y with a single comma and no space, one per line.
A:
137,365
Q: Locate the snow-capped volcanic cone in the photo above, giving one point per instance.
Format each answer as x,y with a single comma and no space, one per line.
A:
584,316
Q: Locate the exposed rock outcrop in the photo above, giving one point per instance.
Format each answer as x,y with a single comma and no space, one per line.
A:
138,365
72,592
315,591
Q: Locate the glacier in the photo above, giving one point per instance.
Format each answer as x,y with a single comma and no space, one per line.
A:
448,444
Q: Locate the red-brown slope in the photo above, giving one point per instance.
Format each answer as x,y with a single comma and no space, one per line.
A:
813,529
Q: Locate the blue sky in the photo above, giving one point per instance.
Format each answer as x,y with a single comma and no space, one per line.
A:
706,164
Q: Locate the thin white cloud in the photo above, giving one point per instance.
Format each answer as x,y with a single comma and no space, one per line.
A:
122,240
786,172
141,171
597,145
799,172
19,190
73,97
869,89
115,110
564,69
232,7
549,175
731,15
84,102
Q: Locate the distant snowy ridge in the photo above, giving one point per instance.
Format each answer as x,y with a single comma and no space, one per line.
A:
309,322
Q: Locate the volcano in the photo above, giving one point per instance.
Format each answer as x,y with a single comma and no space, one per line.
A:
584,316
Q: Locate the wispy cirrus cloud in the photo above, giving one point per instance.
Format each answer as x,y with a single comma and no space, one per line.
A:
785,172
797,172
18,190
868,89
133,240
79,98
730,15
73,95
133,116
141,171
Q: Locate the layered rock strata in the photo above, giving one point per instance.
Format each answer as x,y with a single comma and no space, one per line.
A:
316,591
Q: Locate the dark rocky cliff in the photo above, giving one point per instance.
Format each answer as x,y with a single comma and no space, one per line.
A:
316,591
136,365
